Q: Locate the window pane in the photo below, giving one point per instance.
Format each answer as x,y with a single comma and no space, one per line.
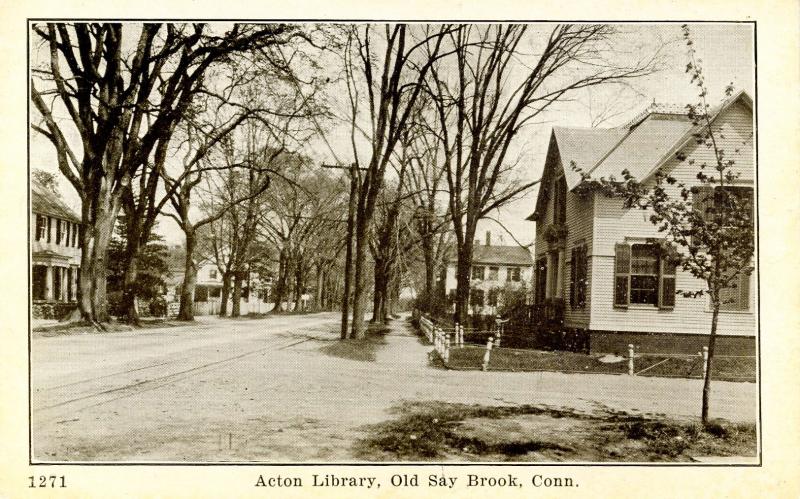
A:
644,259
644,289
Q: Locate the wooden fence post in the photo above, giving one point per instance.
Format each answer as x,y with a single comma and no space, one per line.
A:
446,354
630,360
488,353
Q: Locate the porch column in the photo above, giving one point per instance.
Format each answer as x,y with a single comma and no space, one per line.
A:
48,283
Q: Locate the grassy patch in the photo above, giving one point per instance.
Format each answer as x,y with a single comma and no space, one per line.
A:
362,350
504,359
443,431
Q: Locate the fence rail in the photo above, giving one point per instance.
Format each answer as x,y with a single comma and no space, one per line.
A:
446,340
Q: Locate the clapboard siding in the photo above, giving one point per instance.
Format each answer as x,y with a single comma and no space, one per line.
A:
613,224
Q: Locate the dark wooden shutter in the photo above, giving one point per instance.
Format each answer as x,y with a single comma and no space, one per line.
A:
583,270
666,288
48,228
573,289
622,271
744,290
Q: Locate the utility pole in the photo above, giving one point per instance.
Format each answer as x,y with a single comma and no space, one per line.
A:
355,183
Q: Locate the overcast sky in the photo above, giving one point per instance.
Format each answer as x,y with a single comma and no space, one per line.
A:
726,51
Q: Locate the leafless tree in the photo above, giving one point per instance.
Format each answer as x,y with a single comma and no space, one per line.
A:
489,92
124,88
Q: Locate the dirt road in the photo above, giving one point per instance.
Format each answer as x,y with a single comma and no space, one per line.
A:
269,390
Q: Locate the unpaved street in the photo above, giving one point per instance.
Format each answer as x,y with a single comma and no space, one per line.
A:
269,390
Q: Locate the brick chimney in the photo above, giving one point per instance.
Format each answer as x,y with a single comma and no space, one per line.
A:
488,238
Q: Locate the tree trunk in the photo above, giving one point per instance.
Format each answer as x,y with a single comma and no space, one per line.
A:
359,291
320,289
299,288
712,339
430,273
379,294
348,257
225,294
186,312
463,268
237,294
98,273
129,305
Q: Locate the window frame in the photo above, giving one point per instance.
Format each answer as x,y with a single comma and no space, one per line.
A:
665,277
493,274
41,227
473,272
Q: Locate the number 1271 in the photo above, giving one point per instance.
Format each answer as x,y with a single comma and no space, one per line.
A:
51,481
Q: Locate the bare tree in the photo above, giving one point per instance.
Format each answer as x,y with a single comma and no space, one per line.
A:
498,89
392,84
124,105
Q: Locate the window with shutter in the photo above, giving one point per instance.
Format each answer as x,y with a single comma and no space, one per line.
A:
578,280
622,270
703,200
41,227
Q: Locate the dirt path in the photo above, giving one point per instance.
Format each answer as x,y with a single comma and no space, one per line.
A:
265,390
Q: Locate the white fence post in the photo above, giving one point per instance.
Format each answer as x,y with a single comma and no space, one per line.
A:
446,355
705,362
488,353
630,360
456,336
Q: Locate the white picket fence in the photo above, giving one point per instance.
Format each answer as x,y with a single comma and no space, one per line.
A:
444,340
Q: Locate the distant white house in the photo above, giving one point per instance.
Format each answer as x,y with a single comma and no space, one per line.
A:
494,269
208,288
592,263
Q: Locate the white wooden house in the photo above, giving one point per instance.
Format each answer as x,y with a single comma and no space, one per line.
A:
208,287
591,261
55,254
495,268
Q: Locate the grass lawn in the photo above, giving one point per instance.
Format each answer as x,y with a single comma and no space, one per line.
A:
443,431
503,359
362,350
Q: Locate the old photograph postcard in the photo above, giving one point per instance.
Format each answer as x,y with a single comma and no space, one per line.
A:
391,256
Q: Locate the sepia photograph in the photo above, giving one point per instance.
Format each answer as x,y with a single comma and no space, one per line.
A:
393,242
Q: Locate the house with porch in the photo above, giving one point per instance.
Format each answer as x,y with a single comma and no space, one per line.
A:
594,270
208,287
55,254
495,268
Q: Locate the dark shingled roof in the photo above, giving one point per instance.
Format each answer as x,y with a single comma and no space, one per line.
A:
504,255
45,202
